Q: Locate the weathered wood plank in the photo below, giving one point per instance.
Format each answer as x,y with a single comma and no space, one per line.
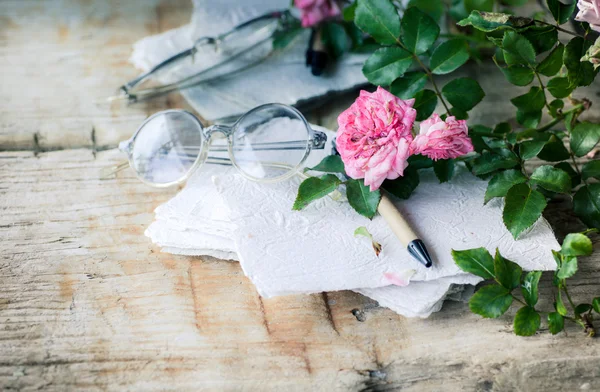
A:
87,302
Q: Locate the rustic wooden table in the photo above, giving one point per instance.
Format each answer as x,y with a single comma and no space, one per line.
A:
87,302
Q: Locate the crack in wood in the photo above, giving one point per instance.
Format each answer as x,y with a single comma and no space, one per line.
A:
328,313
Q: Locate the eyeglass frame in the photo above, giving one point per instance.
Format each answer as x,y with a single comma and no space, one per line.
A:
316,140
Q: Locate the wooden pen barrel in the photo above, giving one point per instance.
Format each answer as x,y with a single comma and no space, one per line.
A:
396,221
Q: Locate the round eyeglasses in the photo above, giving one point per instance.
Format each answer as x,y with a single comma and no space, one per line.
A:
269,143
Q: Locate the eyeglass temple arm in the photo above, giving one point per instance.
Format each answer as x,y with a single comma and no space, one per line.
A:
152,92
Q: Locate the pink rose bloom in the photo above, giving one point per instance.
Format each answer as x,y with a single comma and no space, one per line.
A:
315,11
589,11
442,140
374,136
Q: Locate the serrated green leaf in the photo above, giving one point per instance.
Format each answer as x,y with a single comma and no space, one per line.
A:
449,56
532,101
409,85
402,187
330,164
361,198
591,169
560,87
419,162
443,169
463,93
556,323
579,73
492,21
596,304
519,75
584,137
508,273
529,287
434,8
419,30
489,162
476,261
575,177
386,65
527,321
518,48
561,12
553,62
554,150
502,182
552,179
425,103
543,38
335,39
502,128
379,19
568,267
555,107
349,12
560,305
458,113
531,148
577,244
529,119
490,301
523,206
586,204
314,188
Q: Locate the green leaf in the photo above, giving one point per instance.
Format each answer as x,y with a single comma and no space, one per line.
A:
502,128
532,101
543,38
519,75
529,287
586,204
554,150
488,162
433,8
527,321
463,93
386,65
523,207
361,198
419,162
314,188
507,272
443,168
555,106
518,49
556,323
584,137
553,62
560,305
425,103
363,231
476,261
596,304
561,12
579,73
409,85
552,179
531,148
330,164
560,87
568,267
481,5
492,21
502,182
379,19
529,119
490,301
419,30
402,187
449,56
458,113
282,38
349,12
591,169
335,38
577,244
582,308
575,177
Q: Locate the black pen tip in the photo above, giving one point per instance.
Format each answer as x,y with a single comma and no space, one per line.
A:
418,250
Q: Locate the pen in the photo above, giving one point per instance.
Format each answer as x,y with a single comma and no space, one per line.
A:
402,230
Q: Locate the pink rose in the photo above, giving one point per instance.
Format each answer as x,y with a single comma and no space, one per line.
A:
589,11
442,140
314,11
374,136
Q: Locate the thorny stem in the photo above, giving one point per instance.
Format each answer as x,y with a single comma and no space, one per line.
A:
543,90
561,29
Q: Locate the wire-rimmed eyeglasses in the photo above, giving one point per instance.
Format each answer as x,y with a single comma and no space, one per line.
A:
267,144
